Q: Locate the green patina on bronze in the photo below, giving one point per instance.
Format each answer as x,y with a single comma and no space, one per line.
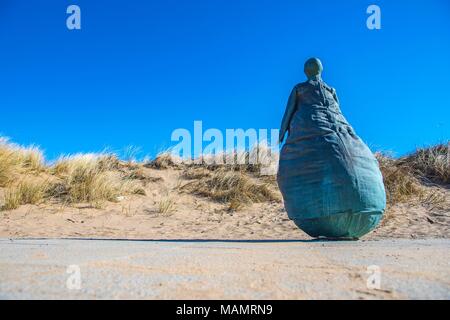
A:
330,180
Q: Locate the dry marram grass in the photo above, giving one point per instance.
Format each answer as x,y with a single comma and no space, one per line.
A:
166,205
27,191
432,164
91,178
399,182
96,178
233,187
16,160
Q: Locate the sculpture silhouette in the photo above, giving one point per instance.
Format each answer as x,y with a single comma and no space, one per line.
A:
330,180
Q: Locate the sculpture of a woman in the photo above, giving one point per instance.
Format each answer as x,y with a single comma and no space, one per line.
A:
330,180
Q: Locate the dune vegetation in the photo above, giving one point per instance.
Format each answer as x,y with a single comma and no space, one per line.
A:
26,178
87,178
412,175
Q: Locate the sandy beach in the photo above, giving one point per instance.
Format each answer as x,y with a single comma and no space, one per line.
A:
196,217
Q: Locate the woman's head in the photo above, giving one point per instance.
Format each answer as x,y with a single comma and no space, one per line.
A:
313,67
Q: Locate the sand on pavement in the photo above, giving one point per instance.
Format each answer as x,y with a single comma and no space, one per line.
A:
112,269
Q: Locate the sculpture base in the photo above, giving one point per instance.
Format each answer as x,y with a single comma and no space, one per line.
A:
340,226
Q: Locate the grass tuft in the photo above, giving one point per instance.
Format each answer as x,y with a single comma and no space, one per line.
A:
16,160
235,188
166,205
431,164
399,181
27,191
164,160
94,178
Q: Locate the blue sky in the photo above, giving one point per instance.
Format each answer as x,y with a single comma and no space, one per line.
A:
140,69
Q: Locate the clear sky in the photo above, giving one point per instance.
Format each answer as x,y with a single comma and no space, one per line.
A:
137,70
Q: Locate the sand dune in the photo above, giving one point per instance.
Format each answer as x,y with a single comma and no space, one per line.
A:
100,196
197,217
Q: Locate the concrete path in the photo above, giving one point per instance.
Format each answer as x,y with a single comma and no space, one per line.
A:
111,269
